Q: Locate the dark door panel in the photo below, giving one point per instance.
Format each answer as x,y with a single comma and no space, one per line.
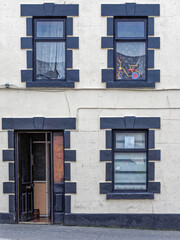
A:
25,177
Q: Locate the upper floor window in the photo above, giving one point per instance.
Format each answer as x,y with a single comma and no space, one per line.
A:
130,160
49,49
130,49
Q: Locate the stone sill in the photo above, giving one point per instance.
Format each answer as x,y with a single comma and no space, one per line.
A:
130,196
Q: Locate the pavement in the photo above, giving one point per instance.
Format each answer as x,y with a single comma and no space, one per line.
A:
51,232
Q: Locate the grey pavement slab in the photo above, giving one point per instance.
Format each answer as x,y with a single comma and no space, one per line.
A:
51,232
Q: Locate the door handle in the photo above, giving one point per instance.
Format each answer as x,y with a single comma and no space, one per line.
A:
28,187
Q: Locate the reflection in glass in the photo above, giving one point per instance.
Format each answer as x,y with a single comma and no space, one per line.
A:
49,29
130,171
130,61
50,60
130,140
130,29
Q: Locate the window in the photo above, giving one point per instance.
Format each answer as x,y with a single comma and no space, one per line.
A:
130,161
131,47
49,49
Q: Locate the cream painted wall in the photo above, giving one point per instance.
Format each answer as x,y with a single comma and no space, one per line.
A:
90,100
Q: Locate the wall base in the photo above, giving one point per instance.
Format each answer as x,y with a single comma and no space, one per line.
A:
7,218
143,221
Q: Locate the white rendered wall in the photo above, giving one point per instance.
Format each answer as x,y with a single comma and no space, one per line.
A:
90,100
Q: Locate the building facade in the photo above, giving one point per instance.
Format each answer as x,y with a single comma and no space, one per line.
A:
89,112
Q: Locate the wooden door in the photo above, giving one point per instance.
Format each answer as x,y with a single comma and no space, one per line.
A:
58,177
25,177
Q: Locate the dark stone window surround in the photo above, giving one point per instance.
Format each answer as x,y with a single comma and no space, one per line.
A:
37,123
130,10
50,10
130,123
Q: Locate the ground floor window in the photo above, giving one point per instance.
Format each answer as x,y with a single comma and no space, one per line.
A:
130,160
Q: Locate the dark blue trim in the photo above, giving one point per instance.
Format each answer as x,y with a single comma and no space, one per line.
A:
105,188
58,188
67,171
107,42
151,171
151,140
109,171
66,139
129,196
29,59
72,42
127,220
7,218
8,187
108,139
70,187
69,59
154,187
130,9
129,122
58,202
139,122
105,155
67,204
58,218
72,75
26,75
154,75
110,26
70,155
10,139
107,75
150,26
8,155
29,28
50,84
69,26
150,59
110,59
26,43
11,172
154,155
49,9
154,42
129,84
31,124
12,203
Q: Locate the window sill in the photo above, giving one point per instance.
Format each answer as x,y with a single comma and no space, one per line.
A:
129,84
50,84
145,195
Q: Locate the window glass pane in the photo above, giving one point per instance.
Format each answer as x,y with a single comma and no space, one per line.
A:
130,178
50,29
130,140
131,29
50,60
130,187
129,162
130,171
130,60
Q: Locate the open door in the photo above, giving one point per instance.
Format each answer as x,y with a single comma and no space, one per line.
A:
40,177
26,212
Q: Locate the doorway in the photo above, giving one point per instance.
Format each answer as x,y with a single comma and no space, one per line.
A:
40,165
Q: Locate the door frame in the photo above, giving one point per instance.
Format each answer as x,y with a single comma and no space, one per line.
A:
17,169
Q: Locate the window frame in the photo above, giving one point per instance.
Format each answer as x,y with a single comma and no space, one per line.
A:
129,150
48,39
131,39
